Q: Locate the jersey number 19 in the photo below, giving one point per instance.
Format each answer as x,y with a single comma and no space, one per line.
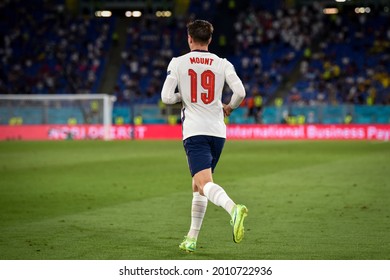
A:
207,80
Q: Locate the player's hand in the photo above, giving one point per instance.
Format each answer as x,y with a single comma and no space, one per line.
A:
227,110
178,94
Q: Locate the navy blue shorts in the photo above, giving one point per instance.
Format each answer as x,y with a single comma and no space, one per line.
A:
203,152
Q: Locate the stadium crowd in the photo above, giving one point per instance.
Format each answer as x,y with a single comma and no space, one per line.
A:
44,49
351,63
341,59
268,45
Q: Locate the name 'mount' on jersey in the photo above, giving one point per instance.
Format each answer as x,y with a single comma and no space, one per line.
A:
201,60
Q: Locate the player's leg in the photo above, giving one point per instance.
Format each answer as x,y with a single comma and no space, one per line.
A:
198,210
204,180
215,193
203,153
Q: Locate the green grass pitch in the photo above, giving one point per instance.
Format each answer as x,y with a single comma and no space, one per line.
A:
130,200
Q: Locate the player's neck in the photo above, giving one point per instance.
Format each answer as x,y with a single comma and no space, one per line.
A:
198,50
197,47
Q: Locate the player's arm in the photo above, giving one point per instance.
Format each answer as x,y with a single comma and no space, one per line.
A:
235,84
168,94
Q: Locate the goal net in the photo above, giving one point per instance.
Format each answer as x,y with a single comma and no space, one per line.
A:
57,109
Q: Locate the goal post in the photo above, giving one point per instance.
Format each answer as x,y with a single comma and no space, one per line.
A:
38,109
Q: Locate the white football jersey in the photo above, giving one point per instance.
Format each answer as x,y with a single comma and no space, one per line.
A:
200,77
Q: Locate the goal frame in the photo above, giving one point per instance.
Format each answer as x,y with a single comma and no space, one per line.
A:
107,99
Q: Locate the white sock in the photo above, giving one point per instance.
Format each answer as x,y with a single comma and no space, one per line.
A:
199,206
217,195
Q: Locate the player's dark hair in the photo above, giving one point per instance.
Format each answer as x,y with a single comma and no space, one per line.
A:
200,31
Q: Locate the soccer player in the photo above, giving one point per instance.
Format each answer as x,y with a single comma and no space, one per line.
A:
200,77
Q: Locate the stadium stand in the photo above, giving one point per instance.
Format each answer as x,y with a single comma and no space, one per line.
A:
351,66
44,49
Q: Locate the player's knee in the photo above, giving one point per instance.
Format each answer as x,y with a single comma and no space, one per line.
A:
201,179
201,186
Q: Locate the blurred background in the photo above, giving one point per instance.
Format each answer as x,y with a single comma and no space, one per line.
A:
302,61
